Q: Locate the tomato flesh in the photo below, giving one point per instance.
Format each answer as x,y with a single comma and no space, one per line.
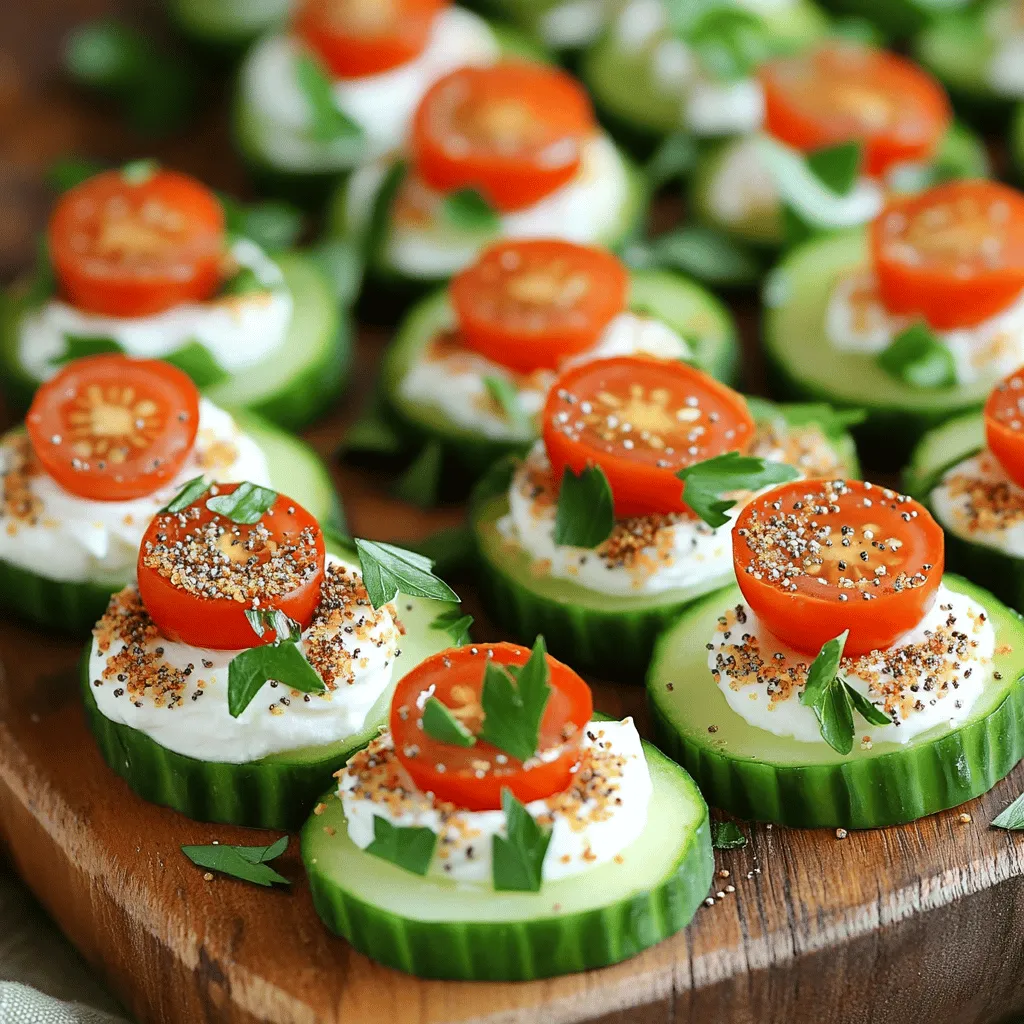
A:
1004,425
356,38
199,571
472,778
816,557
641,420
844,93
129,245
113,428
529,305
514,131
953,255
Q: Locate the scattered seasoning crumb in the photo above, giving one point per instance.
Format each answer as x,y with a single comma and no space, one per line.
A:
712,728
330,830
208,877
730,888
965,818
709,902
724,873
841,833
320,808
719,895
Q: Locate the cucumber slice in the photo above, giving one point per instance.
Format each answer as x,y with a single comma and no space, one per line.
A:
610,635
434,928
278,791
941,448
686,307
291,387
752,773
957,50
226,26
805,367
74,607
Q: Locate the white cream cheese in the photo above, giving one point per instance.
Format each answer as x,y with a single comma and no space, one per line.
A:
451,377
75,539
382,105
195,720
584,834
857,321
238,331
978,501
960,676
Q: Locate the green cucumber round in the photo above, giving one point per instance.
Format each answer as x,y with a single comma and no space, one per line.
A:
803,366
678,302
290,387
278,791
752,773
434,928
74,607
226,26
610,635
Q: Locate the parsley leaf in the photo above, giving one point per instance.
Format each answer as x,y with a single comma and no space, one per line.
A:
918,358
836,167
823,670
195,359
729,43
409,848
78,346
262,619
1012,817
513,709
330,123
246,863
705,481
243,282
440,724
518,861
467,210
272,225
726,835
585,516
871,713
420,483
67,172
281,662
703,253
455,624
389,570
190,493
506,396
673,159
246,504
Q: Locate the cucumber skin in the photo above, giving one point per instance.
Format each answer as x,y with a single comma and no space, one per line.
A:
70,607
521,950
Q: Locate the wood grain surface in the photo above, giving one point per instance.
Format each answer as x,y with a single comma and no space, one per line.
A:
916,923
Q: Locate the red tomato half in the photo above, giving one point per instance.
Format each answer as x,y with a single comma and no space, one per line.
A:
844,93
1004,425
113,428
199,571
131,246
457,774
513,131
815,557
953,255
355,38
641,420
529,305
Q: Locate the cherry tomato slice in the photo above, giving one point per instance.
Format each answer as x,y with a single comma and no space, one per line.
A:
355,38
275,563
843,93
815,557
472,778
113,428
1004,425
953,255
641,420
130,245
513,131
529,305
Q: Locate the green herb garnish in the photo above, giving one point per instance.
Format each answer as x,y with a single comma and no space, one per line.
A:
673,159
329,123
272,225
729,43
67,172
703,253
440,724
1011,818
281,662
243,282
80,346
246,504
455,624
189,494
467,210
262,619
195,359
918,358
506,396
388,571
514,701
726,835
518,861
246,863
408,848
706,481
836,167
585,516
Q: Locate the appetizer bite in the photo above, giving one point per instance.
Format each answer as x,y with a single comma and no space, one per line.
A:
619,518
845,682
471,366
692,69
844,125
501,831
970,473
510,150
107,443
249,662
913,320
338,89
138,261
